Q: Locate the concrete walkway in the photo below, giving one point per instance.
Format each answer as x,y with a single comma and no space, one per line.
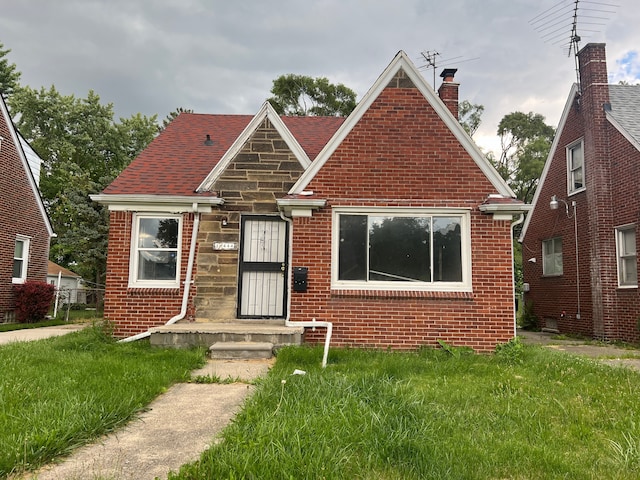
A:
178,426
28,334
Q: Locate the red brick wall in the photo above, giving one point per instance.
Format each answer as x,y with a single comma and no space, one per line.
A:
402,154
610,200
19,215
135,310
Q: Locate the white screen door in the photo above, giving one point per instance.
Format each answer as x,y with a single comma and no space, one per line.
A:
263,264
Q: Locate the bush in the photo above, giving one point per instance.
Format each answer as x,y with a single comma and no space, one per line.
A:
528,319
33,300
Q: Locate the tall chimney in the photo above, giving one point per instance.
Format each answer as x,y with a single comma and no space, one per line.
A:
448,91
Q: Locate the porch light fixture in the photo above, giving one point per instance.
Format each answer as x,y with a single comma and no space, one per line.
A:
553,205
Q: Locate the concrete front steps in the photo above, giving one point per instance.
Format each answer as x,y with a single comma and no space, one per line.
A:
237,340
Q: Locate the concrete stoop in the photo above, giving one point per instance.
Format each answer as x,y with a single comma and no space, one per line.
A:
228,340
240,350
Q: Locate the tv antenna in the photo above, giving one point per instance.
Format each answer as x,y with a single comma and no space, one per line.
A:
558,25
432,61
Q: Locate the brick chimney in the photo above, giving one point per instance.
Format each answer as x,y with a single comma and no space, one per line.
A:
448,91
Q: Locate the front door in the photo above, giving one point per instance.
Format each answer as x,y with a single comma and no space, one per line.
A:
263,263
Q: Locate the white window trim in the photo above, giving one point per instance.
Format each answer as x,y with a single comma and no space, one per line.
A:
25,260
618,232
133,256
554,274
464,286
570,189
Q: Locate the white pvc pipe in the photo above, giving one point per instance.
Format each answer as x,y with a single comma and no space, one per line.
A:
313,323
187,281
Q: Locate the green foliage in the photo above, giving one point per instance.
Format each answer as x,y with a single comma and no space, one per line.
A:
9,74
470,116
172,116
526,140
432,415
510,351
528,319
59,393
32,300
83,149
300,95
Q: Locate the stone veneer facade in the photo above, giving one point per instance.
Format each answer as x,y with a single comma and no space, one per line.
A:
263,171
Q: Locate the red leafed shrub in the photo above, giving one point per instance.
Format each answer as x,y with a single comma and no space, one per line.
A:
33,300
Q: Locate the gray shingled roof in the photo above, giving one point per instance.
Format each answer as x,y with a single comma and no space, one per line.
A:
625,108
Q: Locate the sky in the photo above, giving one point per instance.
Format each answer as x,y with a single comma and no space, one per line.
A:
221,56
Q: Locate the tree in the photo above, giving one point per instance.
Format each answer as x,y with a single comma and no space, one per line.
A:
83,150
525,140
301,95
470,116
172,116
9,74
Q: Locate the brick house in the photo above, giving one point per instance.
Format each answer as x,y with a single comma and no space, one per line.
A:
25,229
579,242
389,224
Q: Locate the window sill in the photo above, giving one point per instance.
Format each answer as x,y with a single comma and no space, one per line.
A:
627,287
401,294
153,291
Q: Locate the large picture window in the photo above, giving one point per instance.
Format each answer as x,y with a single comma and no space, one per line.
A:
552,257
575,167
20,259
389,249
627,260
155,251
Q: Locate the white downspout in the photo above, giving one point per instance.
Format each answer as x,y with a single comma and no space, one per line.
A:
187,281
513,279
309,324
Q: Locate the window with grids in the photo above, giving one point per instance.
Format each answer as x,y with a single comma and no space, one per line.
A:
401,250
575,167
155,252
627,259
20,259
552,256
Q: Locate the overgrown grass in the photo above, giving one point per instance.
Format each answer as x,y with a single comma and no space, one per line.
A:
59,393
524,413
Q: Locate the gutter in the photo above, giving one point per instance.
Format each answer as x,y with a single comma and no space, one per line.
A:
313,324
187,281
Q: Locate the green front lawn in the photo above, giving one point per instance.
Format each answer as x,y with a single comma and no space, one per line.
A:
526,413
62,392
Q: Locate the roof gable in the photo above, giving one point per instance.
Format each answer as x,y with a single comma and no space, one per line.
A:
554,147
16,140
402,62
266,112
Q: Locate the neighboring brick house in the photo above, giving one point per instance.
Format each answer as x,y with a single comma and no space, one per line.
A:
590,236
390,224
25,229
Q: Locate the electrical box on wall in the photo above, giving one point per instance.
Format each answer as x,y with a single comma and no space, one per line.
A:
300,279
525,287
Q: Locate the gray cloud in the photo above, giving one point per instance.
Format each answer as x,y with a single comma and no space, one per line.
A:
216,56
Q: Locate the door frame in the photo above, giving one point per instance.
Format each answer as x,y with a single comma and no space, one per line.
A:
244,266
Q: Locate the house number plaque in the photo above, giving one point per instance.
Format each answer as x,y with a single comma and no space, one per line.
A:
225,245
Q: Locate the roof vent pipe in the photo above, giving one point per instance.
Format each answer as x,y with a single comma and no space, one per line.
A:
208,141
